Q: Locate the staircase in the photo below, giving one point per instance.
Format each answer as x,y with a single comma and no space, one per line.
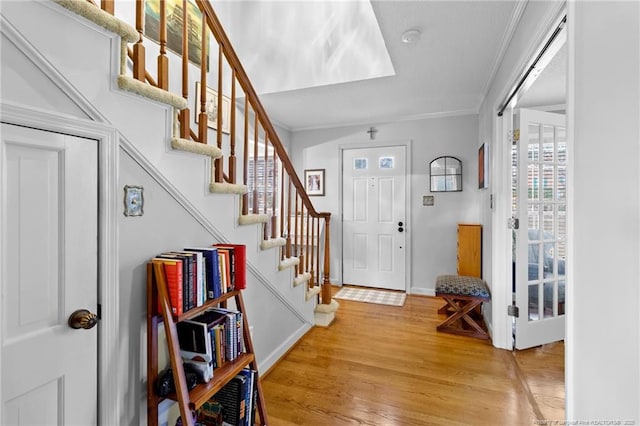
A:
269,193
231,185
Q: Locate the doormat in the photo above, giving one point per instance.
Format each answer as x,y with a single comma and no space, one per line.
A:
380,297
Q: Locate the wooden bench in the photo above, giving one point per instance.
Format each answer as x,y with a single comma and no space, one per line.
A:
463,296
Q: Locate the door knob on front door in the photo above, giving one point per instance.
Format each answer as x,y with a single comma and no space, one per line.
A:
82,318
400,229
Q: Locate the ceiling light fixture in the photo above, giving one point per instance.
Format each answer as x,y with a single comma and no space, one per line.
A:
411,36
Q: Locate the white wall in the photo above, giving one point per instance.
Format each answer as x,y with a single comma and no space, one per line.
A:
603,364
432,230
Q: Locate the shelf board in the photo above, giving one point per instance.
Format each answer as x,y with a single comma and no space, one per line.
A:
203,391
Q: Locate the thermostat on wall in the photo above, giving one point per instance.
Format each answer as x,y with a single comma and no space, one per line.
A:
427,200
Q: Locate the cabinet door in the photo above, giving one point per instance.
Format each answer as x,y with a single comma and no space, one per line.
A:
470,250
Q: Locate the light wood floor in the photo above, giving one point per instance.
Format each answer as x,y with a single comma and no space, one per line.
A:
384,365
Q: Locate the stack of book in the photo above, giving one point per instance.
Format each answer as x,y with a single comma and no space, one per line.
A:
198,274
234,404
211,339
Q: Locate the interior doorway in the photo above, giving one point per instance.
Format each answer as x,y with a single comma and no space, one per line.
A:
538,194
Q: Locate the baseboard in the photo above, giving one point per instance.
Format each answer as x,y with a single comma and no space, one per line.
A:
266,365
421,291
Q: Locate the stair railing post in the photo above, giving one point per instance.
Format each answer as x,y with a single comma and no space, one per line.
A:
326,283
163,60
139,65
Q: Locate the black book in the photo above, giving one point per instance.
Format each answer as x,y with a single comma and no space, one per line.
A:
232,399
191,281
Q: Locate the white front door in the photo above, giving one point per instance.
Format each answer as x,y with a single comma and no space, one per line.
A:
374,220
540,247
49,224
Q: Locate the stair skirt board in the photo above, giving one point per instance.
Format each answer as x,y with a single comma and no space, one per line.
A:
288,263
227,188
272,243
196,147
101,18
253,219
301,279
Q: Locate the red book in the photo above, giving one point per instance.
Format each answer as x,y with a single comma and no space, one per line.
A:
239,264
173,274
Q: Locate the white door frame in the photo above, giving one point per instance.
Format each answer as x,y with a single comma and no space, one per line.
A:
339,240
108,273
500,164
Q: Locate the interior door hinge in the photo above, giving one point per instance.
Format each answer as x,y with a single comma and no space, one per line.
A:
513,311
99,311
513,223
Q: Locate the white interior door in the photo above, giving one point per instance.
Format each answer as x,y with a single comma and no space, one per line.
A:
540,247
374,221
49,252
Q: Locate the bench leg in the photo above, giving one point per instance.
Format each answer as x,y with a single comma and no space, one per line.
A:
456,322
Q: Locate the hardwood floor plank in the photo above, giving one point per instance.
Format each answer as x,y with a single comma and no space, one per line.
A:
387,365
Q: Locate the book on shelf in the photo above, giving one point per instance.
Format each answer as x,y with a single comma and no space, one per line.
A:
187,301
173,270
225,269
199,281
219,345
238,264
212,271
216,323
192,280
234,332
232,399
250,395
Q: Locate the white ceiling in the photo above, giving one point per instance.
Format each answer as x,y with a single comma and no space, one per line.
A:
448,71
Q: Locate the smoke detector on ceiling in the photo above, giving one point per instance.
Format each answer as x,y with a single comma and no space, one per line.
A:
411,36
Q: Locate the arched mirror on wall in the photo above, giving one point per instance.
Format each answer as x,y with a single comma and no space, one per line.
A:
446,174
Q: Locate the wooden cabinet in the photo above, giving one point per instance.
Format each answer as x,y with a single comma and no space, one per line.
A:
189,400
470,250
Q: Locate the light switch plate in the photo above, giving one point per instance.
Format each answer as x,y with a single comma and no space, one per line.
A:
428,200
133,200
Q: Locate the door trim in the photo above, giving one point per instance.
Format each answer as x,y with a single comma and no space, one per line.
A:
108,394
337,248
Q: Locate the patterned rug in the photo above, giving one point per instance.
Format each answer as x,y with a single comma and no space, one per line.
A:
380,297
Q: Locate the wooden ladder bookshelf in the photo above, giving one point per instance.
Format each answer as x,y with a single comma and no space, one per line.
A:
189,400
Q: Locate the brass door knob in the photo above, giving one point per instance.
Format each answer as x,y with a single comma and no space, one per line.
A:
82,318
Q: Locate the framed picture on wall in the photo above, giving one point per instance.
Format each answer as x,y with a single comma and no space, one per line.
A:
483,166
211,108
314,182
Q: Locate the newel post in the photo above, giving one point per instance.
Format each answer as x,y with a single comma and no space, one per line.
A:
326,283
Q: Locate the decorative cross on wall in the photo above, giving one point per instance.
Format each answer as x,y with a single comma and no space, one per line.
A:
372,132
